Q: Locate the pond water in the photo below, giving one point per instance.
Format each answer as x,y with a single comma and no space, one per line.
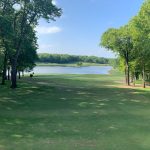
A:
72,70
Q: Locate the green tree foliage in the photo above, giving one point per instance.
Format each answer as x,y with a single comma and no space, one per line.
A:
65,59
132,43
141,36
17,17
6,32
120,42
28,54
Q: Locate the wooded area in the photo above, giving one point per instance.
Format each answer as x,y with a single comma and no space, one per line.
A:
65,59
18,41
132,44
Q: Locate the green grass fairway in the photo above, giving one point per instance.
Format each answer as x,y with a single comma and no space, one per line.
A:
74,112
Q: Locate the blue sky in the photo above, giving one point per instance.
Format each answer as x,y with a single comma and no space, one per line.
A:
83,22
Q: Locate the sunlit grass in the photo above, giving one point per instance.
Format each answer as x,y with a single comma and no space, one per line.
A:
74,112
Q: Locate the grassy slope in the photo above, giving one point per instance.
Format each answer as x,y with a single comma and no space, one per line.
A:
71,65
74,112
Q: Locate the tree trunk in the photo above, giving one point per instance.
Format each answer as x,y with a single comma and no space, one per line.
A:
8,73
13,74
149,78
136,75
127,74
134,78
19,75
4,70
22,73
144,85
126,56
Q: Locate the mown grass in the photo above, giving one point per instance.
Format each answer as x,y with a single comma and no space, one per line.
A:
74,112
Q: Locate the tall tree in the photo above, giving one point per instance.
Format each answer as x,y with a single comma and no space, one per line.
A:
6,31
25,13
1,60
120,42
28,55
141,37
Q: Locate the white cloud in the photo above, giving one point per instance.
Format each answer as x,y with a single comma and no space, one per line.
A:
48,30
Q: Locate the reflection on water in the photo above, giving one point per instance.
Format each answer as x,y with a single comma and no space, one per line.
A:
72,70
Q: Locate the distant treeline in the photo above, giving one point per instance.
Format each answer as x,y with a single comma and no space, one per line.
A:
65,59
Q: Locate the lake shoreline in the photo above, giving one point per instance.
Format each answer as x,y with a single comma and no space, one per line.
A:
72,70
71,65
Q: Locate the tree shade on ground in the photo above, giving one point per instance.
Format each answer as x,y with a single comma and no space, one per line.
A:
91,112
